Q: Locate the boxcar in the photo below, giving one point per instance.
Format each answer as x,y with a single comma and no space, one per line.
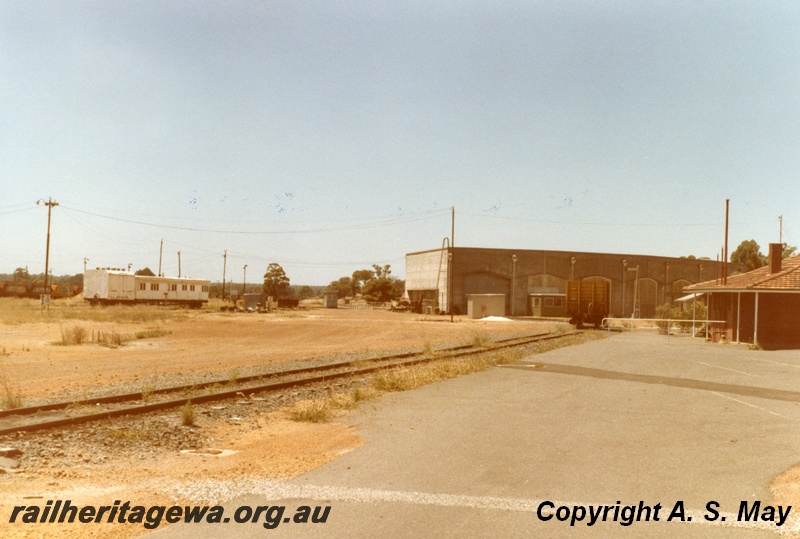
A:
587,302
104,286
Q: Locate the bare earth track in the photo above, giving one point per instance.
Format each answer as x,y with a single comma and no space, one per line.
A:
139,459
218,343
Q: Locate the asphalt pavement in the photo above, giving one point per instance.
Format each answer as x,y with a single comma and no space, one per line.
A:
636,425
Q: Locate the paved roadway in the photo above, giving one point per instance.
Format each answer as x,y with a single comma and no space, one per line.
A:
634,418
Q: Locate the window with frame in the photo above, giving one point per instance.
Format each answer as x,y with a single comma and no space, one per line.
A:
548,302
142,286
205,288
173,288
558,302
153,286
184,287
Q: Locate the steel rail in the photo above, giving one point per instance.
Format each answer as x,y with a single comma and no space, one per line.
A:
125,397
452,352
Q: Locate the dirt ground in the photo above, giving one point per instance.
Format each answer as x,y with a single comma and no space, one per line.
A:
219,342
265,445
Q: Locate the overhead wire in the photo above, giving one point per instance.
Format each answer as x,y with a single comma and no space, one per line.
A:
585,223
386,222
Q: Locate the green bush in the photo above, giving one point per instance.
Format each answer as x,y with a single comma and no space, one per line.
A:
669,311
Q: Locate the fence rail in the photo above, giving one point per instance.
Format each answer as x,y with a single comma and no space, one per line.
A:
667,324
366,306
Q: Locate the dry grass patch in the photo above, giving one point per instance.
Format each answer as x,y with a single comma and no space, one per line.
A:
405,378
312,411
188,414
151,333
73,336
10,394
482,340
26,311
77,335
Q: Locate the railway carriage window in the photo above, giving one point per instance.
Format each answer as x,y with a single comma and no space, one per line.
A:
142,286
557,302
184,287
173,287
191,288
548,302
205,288
153,286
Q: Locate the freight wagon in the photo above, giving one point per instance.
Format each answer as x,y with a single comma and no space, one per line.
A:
103,286
587,302
35,290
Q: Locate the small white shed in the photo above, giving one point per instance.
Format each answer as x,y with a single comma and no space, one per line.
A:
483,305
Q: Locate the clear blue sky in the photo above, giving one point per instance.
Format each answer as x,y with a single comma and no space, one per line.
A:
327,136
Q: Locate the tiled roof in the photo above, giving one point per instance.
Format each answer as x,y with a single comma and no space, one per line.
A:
788,279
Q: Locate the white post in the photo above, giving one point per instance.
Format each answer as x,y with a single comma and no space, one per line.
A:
738,314
755,325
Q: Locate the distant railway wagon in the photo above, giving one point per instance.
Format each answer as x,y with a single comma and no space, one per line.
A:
587,302
103,286
35,290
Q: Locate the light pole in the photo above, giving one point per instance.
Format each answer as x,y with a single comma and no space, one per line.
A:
179,264
635,312
450,283
624,271
244,282
513,281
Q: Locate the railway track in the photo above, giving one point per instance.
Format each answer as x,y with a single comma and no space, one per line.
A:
60,414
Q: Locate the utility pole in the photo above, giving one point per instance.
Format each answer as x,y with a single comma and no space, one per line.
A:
160,257
50,203
450,257
244,283
85,260
780,220
179,264
224,266
725,257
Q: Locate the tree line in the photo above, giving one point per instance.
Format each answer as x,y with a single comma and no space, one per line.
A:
376,284
749,254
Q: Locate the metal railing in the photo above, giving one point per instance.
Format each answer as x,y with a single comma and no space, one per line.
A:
372,306
667,324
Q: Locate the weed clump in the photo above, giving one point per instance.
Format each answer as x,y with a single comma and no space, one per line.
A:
313,411
481,340
10,396
73,336
188,414
151,333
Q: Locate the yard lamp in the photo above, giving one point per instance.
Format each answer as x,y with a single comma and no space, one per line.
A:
513,281
624,270
450,284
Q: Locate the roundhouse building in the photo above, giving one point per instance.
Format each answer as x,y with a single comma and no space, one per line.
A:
534,281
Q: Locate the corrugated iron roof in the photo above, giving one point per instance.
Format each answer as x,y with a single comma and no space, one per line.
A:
786,280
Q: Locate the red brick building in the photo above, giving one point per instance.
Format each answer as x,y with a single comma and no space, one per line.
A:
761,306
